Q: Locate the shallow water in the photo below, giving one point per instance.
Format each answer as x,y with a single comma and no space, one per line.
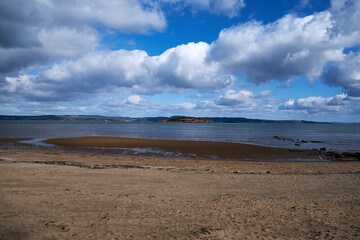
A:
336,137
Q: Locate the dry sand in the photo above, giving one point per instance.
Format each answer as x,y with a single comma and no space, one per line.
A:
50,195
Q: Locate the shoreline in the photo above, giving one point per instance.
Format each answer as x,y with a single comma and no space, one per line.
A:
200,150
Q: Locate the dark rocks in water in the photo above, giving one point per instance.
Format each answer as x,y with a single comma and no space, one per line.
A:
279,137
283,138
290,139
344,156
347,154
330,155
298,141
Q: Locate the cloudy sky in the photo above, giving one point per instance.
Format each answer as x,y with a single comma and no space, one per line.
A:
280,59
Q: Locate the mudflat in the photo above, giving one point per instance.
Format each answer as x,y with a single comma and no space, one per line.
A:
202,149
52,195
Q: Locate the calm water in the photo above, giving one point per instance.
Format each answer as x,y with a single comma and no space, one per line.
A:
337,137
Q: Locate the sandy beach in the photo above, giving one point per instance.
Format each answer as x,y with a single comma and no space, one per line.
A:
54,195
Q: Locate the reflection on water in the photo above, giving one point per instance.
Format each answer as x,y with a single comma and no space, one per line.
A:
37,142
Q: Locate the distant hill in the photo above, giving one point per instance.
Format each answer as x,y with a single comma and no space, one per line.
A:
105,119
185,120
80,118
247,120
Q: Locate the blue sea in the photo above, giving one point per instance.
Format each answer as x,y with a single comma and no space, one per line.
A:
335,137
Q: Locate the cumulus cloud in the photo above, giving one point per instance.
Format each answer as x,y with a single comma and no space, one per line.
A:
345,74
183,67
230,8
241,98
317,104
187,106
123,15
346,14
38,32
291,46
135,100
95,72
130,101
54,44
21,20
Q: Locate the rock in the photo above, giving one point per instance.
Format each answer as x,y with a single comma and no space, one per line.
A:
96,166
278,137
349,155
323,149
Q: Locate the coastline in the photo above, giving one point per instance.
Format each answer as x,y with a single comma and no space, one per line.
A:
46,194
200,150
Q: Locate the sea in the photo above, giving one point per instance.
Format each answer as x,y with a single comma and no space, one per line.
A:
334,137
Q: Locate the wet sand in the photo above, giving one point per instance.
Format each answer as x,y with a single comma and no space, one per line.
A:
52,195
202,149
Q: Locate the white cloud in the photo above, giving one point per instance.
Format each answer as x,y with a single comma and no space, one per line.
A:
241,98
135,100
207,105
66,42
289,47
123,15
346,14
317,104
183,67
55,44
187,106
38,32
132,101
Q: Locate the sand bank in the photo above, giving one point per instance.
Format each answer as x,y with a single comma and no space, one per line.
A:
202,149
50,195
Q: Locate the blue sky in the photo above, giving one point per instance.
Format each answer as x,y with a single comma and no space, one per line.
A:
281,59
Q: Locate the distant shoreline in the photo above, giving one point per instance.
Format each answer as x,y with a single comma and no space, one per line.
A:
85,119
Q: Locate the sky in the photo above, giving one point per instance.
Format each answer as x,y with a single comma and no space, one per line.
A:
279,59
